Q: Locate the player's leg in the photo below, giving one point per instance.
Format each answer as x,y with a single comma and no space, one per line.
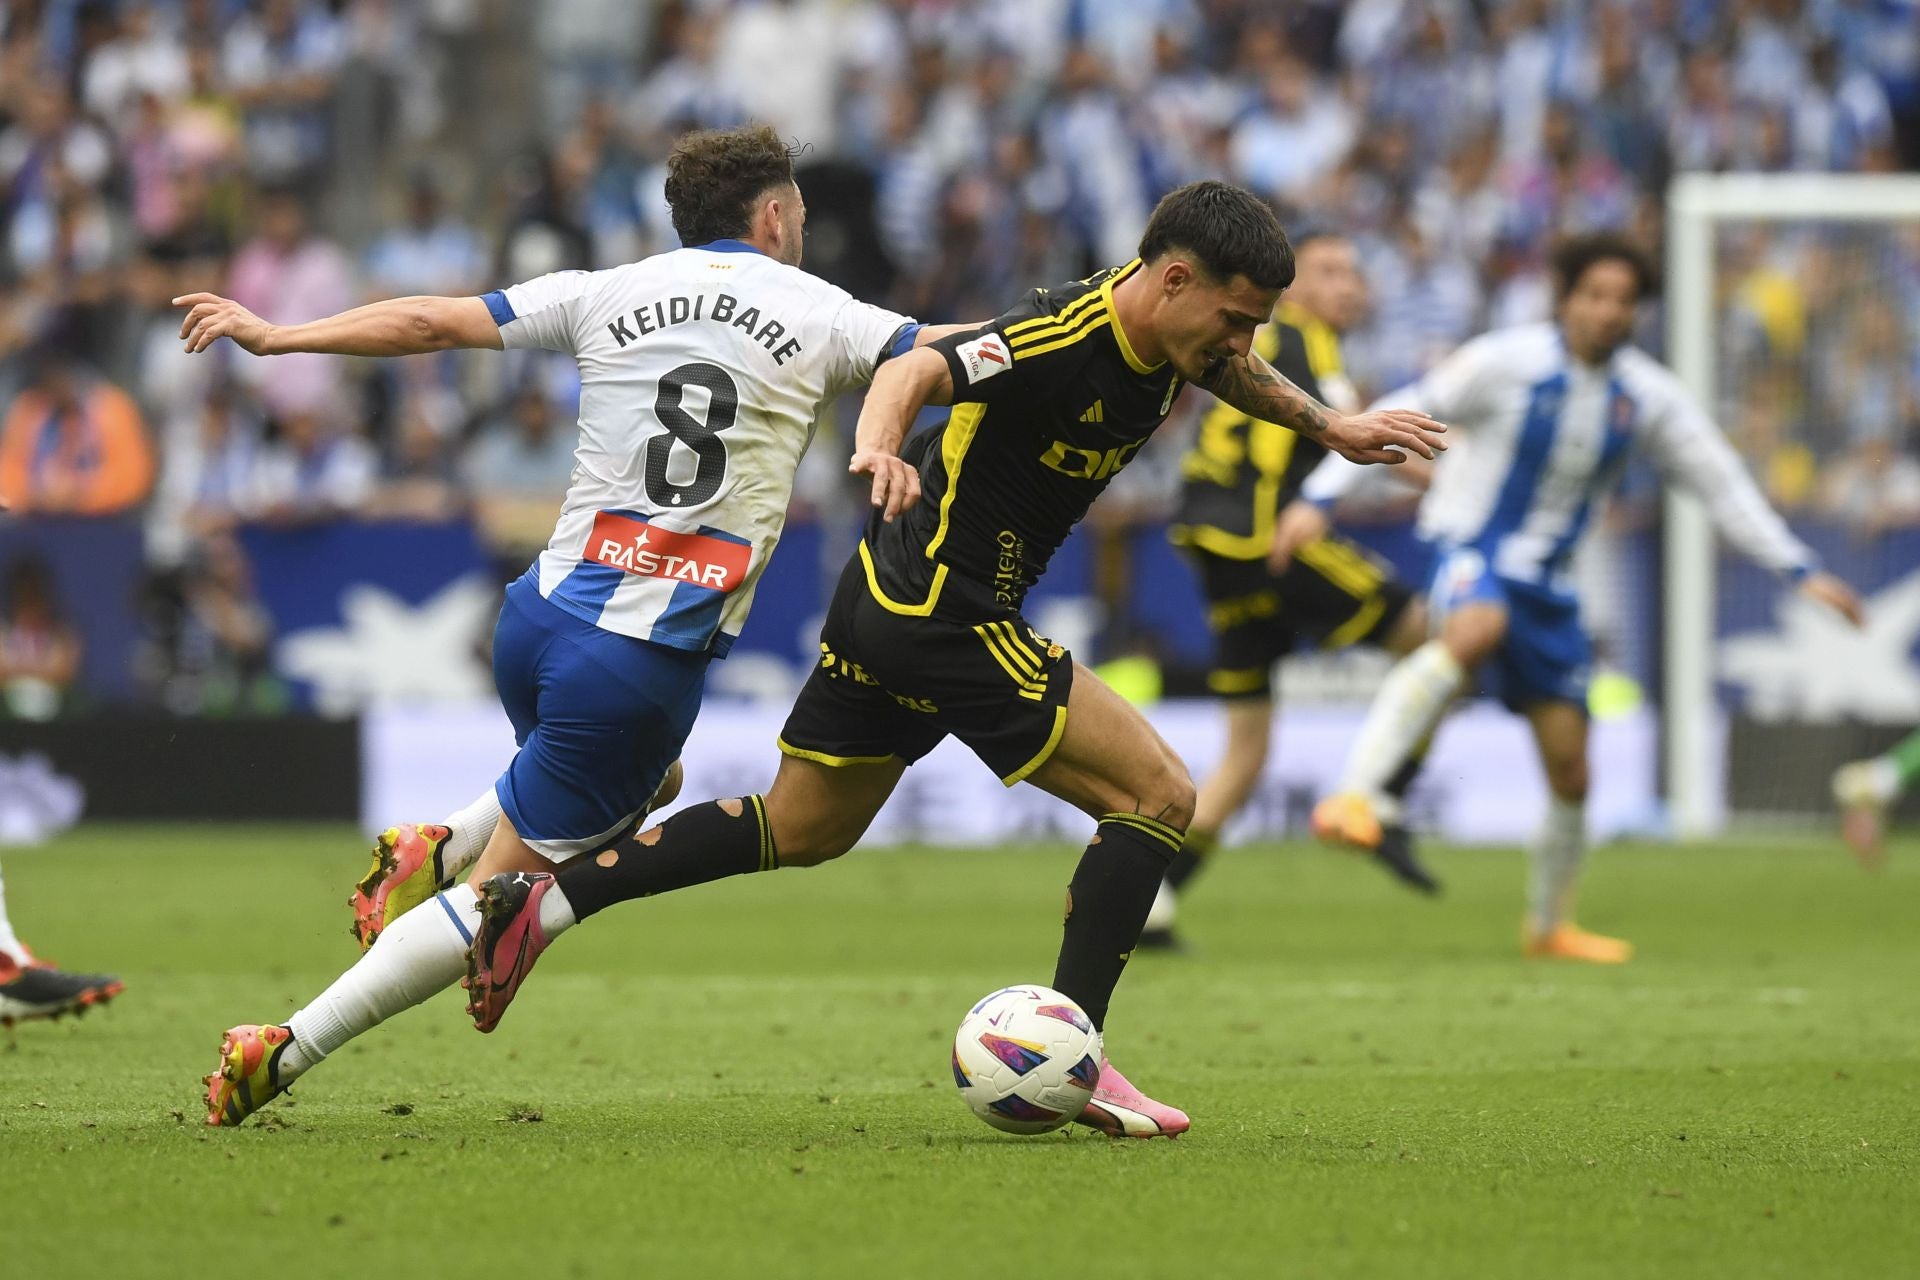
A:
1250,634
599,718
30,989
844,746
1339,594
1415,695
1866,789
1219,797
1112,765
812,813
1560,848
414,860
1245,607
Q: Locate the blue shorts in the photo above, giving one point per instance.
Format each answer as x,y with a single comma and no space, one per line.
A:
1546,657
598,716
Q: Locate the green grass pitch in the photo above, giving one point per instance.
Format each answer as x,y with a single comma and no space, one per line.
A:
750,1079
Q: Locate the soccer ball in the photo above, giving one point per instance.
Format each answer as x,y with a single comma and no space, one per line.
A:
1026,1059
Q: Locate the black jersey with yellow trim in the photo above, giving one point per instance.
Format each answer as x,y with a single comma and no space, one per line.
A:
1241,471
1050,402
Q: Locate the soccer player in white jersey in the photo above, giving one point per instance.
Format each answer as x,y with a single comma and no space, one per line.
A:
1545,417
702,371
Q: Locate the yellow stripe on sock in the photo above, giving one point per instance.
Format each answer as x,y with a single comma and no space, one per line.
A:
1152,826
767,859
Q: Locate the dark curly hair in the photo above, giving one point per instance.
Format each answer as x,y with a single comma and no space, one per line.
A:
1572,257
1227,230
716,177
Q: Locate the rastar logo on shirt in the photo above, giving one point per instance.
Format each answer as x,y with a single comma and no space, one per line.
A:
652,552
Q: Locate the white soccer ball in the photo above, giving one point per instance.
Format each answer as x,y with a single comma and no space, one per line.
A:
1026,1059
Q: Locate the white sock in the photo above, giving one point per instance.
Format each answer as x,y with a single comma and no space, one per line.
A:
1409,705
11,946
1555,857
1885,772
1165,907
556,913
421,953
472,827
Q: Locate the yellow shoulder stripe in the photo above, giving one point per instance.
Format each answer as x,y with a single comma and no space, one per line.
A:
1083,321
1065,316
1093,325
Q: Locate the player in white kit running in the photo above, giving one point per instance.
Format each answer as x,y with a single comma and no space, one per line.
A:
1545,417
702,371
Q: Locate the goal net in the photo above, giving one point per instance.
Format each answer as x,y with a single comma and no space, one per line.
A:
1793,305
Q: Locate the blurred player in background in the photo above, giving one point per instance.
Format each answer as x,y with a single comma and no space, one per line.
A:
1263,600
925,635
1866,789
702,373
1547,417
31,988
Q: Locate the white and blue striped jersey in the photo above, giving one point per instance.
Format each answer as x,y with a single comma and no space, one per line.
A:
1538,438
701,374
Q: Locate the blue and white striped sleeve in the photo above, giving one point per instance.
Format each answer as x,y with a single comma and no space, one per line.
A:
543,312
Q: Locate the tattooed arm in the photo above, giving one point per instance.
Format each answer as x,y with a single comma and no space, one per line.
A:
1257,389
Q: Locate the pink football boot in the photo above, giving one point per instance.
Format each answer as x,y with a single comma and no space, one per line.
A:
1119,1110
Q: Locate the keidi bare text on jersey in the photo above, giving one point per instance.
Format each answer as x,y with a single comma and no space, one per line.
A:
723,308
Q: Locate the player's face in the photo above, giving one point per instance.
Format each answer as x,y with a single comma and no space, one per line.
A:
1597,316
1202,320
1328,283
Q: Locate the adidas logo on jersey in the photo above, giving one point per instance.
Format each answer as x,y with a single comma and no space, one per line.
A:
1097,413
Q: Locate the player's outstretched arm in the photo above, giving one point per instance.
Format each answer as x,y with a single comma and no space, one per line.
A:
1257,389
398,327
903,386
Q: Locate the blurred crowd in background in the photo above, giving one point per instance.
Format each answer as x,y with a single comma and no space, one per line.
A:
306,155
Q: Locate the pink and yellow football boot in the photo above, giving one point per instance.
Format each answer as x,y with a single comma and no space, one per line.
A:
406,872
249,1073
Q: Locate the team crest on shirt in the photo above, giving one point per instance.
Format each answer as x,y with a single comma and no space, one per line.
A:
646,550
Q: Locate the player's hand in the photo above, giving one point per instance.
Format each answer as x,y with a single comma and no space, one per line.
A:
211,317
896,486
1364,437
1302,522
1824,588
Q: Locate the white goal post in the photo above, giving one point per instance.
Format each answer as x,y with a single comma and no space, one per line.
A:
1696,205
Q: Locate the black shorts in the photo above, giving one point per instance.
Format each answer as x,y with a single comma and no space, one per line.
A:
1334,594
891,683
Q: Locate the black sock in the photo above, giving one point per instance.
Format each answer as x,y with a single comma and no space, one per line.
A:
707,842
1107,906
1402,780
1193,855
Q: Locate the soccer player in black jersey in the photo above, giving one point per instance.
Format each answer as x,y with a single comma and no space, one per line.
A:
1265,599
924,636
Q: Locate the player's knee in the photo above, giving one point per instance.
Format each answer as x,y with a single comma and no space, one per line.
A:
808,844
1472,633
1410,630
1171,796
1568,778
